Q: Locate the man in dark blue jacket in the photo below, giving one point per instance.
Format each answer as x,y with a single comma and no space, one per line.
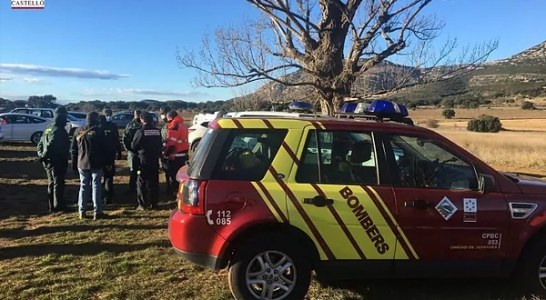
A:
88,157
53,153
147,142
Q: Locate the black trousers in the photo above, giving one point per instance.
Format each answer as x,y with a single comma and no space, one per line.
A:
174,166
134,165
56,175
148,185
108,182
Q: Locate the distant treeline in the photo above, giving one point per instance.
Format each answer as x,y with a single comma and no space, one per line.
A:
50,101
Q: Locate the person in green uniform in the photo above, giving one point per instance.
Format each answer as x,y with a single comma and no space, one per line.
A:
132,155
53,150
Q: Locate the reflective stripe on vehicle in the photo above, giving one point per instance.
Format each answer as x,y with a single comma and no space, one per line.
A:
402,239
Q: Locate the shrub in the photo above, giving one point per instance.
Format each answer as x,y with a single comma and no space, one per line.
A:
527,105
484,123
431,123
448,113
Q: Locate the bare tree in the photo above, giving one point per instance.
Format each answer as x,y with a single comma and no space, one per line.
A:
325,44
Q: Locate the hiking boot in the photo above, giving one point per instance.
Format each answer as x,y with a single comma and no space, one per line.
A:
140,207
97,216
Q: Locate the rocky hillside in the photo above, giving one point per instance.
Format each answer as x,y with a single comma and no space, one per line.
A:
520,76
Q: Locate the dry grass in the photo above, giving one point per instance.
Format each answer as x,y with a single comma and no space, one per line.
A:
510,151
504,113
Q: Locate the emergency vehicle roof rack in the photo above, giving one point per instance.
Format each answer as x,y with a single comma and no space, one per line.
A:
372,117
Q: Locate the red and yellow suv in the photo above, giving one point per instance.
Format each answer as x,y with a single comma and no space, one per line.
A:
273,199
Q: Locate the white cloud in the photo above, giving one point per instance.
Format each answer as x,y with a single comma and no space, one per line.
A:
142,92
33,80
59,72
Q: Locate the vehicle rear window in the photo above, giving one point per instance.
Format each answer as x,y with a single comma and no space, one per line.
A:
247,154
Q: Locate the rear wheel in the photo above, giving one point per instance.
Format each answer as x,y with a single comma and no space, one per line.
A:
269,267
532,274
35,138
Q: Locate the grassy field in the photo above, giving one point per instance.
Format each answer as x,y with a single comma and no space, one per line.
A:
128,255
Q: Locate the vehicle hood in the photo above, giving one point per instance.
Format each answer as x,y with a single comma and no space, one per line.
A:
528,184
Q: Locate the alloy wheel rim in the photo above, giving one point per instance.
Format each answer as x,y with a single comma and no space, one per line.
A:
271,275
542,272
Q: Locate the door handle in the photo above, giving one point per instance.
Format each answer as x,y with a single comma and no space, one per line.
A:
420,204
318,201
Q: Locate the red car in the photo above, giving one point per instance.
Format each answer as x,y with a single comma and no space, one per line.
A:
273,199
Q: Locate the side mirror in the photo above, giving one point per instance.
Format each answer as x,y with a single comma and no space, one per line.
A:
486,183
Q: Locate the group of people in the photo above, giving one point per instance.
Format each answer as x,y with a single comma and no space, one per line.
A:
94,149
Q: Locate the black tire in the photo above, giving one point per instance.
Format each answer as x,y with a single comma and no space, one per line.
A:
533,265
293,273
35,137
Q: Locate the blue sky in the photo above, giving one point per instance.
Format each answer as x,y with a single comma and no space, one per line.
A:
125,49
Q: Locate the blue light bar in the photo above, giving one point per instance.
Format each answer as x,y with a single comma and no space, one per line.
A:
300,106
383,108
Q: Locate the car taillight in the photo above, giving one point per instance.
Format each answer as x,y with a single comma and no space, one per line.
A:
191,197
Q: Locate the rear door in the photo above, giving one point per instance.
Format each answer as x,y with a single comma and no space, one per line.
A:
453,226
7,126
21,127
339,201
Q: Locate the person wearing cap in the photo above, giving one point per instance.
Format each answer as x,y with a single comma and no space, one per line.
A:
132,155
147,142
176,147
89,157
53,153
163,111
113,151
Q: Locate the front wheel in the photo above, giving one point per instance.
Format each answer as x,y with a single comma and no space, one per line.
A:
269,268
35,138
533,269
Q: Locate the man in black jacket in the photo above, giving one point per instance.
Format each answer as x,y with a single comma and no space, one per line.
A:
53,153
132,155
147,142
112,149
88,157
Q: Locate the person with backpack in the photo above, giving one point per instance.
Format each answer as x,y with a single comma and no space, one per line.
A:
88,158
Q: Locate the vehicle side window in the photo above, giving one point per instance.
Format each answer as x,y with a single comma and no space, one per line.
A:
20,120
36,120
422,163
47,114
339,157
247,154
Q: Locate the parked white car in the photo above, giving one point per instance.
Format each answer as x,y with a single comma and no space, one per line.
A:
196,133
22,127
201,122
1,134
72,121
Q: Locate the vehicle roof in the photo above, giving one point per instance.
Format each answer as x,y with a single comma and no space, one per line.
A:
24,115
322,122
34,108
